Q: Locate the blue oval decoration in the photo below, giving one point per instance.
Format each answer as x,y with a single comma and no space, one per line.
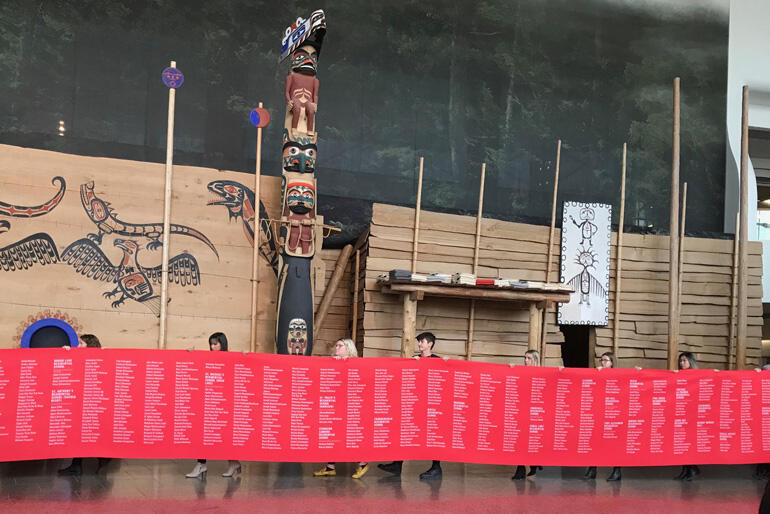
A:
259,117
49,322
172,77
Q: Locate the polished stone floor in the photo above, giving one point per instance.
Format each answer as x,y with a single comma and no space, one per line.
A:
160,486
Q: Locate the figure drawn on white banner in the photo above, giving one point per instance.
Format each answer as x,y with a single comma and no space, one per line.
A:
585,263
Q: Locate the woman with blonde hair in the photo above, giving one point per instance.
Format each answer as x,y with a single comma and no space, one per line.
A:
343,349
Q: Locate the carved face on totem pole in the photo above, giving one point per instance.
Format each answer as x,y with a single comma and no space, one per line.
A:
300,197
299,157
304,60
297,340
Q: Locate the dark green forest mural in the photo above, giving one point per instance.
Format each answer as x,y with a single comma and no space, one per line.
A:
460,82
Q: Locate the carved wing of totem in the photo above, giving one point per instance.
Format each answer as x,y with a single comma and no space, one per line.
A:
88,259
36,249
182,269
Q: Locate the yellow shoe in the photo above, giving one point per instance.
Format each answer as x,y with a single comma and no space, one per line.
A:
361,471
325,472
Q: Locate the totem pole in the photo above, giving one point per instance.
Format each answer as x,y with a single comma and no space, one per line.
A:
294,321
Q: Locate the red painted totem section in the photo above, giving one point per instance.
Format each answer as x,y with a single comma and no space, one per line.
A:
217,405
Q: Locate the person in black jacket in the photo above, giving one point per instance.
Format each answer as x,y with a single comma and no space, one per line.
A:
687,361
425,343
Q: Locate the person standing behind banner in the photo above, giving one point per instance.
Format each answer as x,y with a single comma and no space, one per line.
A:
343,349
687,361
217,343
531,358
606,361
76,467
425,343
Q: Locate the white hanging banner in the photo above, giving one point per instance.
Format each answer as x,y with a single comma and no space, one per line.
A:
585,263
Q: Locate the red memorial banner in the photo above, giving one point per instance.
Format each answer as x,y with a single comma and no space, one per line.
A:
219,405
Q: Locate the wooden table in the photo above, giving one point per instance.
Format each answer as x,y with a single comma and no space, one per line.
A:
412,292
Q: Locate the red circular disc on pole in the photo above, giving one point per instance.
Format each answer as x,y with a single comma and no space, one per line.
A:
259,117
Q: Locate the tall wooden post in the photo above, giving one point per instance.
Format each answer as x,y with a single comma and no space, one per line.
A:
472,312
681,241
673,273
733,293
417,218
619,255
544,321
167,215
741,329
255,253
356,272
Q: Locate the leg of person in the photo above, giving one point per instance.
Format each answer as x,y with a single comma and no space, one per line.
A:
433,473
533,470
394,467
74,469
199,471
590,473
233,468
520,474
361,470
690,474
329,471
682,473
615,475
102,463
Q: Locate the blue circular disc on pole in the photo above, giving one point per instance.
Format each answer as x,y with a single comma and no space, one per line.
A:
259,117
172,77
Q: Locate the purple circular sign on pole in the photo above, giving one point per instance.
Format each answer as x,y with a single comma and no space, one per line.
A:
172,77
259,117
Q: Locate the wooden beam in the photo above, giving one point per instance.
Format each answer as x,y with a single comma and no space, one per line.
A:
331,288
681,242
544,321
167,216
472,309
479,294
534,329
356,273
410,321
673,272
619,254
417,217
740,343
255,249
733,294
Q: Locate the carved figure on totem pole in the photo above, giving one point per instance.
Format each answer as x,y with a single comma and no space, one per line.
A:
294,325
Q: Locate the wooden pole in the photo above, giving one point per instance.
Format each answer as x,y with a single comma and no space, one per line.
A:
331,288
255,250
733,294
673,273
544,322
417,217
472,313
619,255
356,272
740,343
167,215
681,241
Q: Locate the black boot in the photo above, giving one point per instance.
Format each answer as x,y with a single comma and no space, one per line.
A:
590,473
433,473
533,470
682,473
521,473
394,467
689,474
615,475
695,470
74,469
